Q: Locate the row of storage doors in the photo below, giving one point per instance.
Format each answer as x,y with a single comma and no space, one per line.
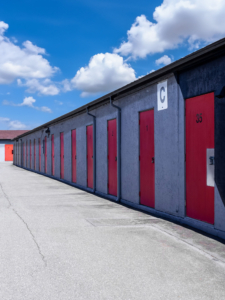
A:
199,144
199,158
112,156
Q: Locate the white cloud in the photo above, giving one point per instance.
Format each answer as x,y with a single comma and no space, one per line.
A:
28,101
67,86
16,125
25,62
30,48
4,119
58,102
44,87
12,124
3,27
164,60
105,72
45,109
176,22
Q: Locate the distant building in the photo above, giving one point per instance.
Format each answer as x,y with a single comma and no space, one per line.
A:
6,143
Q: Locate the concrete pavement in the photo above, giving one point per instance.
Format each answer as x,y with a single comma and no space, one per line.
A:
60,243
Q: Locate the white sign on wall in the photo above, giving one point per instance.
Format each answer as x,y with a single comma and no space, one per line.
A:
162,97
210,167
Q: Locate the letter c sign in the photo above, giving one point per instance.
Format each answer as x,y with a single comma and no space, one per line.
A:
162,97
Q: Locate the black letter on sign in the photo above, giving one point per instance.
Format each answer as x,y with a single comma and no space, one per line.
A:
162,90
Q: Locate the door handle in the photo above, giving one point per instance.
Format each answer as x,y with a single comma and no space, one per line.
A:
116,158
153,160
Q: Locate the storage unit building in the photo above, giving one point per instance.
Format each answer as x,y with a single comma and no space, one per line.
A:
6,143
168,156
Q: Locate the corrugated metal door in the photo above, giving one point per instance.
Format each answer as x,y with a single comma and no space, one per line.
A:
53,156
39,154
61,155
112,157
8,152
147,159
34,155
90,156
199,138
30,156
74,155
46,154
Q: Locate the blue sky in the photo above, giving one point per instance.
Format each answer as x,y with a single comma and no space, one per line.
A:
58,55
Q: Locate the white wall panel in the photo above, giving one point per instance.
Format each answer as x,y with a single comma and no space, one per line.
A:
2,152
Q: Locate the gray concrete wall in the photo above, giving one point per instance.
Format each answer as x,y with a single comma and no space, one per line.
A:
2,152
169,146
103,114
9,142
169,127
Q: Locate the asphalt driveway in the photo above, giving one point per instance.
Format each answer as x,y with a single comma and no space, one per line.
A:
58,242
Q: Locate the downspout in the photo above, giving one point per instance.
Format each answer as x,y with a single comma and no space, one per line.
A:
118,150
94,149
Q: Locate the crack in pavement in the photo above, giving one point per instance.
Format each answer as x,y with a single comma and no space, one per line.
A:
24,222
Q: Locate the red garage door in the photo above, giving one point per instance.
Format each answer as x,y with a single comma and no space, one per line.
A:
27,153
8,152
147,160
53,156
90,156
45,154
24,154
39,155
34,155
74,156
30,156
112,157
61,155
200,158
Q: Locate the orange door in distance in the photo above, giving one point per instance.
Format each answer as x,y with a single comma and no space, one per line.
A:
8,152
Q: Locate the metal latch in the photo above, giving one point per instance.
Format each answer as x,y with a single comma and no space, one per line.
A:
153,160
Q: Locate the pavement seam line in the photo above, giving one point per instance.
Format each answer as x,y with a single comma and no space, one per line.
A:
24,222
190,244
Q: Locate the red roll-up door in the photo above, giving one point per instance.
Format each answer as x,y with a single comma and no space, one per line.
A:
74,155
112,157
147,160
61,155
46,154
199,142
8,152
39,155
53,156
34,155
30,156
90,156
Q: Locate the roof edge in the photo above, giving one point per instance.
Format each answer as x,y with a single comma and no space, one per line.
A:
210,51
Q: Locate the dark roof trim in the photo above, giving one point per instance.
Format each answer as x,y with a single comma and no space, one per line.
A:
209,52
